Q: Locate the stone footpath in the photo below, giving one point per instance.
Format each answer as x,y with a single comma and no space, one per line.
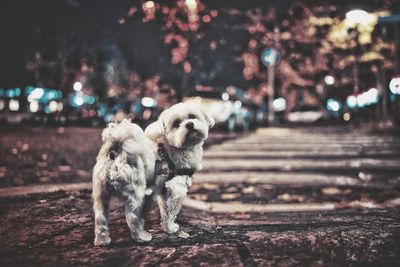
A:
276,197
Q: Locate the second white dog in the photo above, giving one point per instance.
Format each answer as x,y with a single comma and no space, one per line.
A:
179,132
125,165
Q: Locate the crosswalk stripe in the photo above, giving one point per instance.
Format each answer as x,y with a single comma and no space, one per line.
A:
235,207
215,154
304,164
276,178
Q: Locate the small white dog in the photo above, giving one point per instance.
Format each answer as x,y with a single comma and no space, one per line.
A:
126,164
179,132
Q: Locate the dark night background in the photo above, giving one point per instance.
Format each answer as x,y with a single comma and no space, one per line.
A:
90,29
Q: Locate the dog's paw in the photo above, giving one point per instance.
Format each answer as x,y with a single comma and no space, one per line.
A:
102,240
143,236
172,228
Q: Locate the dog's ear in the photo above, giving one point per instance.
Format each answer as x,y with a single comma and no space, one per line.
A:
155,130
210,120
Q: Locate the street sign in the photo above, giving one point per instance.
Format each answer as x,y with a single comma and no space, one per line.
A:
389,19
270,57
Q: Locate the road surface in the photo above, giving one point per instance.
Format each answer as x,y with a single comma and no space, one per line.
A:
275,197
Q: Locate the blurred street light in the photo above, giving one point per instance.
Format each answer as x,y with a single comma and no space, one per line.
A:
358,16
13,105
78,100
193,16
279,104
368,98
36,94
355,18
329,80
191,4
148,102
225,96
238,104
53,106
34,106
333,105
351,101
346,116
77,86
149,5
394,85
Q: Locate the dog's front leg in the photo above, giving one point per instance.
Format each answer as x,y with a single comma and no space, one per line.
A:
101,201
170,202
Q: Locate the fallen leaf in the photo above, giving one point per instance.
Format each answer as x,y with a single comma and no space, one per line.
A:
183,234
330,191
289,197
363,203
45,179
64,168
230,196
202,197
82,173
248,190
346,192
231,189
61,130
267,186
208,186
393,202
25,147
364,176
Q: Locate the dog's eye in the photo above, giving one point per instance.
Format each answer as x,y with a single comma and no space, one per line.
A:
176,123
192,116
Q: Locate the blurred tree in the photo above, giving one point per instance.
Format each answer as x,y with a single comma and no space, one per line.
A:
191,42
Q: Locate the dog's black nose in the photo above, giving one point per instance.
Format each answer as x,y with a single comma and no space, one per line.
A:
189,125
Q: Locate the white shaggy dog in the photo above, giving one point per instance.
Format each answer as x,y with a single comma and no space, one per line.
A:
125,164
129,162
179,132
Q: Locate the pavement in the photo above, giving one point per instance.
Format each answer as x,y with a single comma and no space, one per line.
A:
274,197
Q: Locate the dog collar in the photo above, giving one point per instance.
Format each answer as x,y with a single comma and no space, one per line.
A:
172,170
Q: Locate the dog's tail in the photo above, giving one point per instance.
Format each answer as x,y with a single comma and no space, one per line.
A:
126,141
124,136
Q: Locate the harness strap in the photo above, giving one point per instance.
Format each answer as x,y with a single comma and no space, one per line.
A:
185,171
173,171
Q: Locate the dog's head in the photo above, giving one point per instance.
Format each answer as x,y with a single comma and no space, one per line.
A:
182,126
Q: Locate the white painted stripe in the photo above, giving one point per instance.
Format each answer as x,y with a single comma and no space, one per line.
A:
302,147
276,178
304,164
236,207
217,177
291,153
220,207
43,188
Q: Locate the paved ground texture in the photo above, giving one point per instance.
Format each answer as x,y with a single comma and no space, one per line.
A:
276,197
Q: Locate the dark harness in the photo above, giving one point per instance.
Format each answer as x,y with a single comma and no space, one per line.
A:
164,160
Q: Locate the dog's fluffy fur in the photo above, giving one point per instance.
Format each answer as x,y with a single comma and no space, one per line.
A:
181,129
126,165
